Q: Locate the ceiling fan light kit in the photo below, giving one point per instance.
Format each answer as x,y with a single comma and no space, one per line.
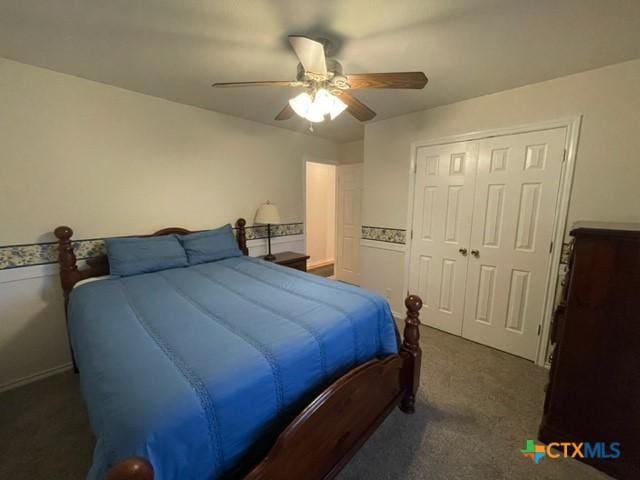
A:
326,86
314,107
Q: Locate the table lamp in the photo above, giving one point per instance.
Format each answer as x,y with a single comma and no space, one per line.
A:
267,214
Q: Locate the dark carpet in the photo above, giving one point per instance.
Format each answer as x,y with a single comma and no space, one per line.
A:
476,408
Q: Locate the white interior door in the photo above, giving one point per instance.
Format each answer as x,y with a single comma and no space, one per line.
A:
443,204
516,191
349,226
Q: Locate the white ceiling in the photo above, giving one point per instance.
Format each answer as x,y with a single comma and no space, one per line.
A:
176,49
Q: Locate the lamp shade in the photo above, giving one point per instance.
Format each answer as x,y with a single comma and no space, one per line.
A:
267,213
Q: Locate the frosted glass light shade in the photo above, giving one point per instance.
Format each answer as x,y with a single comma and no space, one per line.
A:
337,107
315,108
306,107
301,104
314,114
267,213
323,101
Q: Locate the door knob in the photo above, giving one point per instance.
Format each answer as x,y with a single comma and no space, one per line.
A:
475,253
463,251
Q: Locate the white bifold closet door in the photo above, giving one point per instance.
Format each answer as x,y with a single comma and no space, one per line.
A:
498,272
443,206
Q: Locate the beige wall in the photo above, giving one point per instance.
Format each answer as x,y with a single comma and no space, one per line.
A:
107,161
321,212
607,174
352,152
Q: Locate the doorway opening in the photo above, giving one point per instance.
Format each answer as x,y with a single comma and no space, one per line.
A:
321,218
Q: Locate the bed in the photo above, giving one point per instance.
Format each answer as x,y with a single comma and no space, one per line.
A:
236,368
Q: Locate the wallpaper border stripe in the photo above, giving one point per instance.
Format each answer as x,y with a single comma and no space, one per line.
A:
31,254
384,234
398,236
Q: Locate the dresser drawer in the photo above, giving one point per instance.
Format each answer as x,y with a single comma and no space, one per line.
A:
557,323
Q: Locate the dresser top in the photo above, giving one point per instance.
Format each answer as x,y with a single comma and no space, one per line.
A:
605,228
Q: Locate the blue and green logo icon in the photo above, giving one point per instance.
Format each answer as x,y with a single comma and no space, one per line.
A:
604,450
534,451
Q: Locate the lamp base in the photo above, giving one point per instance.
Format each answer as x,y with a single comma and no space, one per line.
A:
269,257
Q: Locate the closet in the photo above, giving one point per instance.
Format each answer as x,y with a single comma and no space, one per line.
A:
481,238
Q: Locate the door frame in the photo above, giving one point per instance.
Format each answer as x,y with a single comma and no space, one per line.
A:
313,159
572,124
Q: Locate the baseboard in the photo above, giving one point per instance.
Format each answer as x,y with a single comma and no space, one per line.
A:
35,377
323,263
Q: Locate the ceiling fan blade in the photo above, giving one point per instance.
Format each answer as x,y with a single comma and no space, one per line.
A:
356,108
415,80
269,83
286,113
310,53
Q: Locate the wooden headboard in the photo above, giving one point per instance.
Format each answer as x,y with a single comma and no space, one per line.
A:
70,274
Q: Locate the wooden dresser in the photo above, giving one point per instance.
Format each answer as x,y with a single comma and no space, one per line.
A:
593,393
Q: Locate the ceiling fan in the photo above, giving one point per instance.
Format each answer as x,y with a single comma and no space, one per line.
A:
326,87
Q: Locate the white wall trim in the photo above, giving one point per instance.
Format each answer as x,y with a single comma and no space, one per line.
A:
572,124
19,382
32,271
398,247
498,132
25,273
559,228
313,159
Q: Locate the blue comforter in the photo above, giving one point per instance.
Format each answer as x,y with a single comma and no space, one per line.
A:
190,367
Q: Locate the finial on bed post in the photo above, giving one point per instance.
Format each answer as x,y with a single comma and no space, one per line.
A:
241,235
411,351
67,261
69,273
134,468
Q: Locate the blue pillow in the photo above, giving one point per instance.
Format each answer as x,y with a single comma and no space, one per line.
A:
211,245
131,256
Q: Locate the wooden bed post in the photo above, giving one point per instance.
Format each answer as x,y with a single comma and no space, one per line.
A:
67,259
241,235
328,432
134,468
69,273
411,351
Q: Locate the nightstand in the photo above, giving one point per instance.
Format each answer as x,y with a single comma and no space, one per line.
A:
291,260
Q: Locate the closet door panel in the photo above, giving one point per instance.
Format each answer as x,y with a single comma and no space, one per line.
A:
443,205
516,191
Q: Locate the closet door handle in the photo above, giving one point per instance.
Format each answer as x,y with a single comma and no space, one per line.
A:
463,251
475,253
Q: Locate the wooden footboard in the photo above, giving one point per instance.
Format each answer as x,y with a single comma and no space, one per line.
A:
327,433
